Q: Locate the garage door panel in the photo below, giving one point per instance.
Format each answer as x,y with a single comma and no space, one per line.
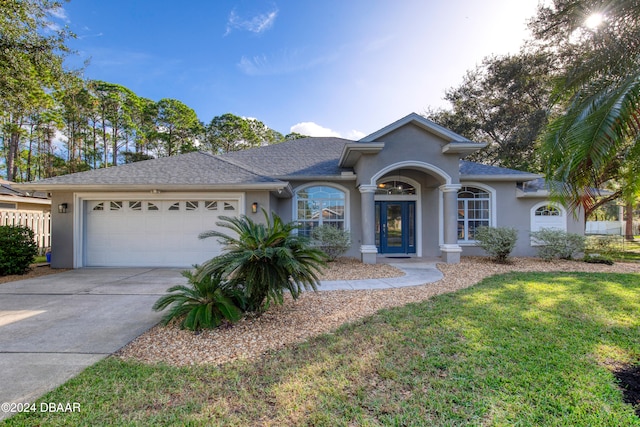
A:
152,233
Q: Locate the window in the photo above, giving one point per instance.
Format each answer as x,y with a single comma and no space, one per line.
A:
548,210
175,206
135,206
395,187
115,206
152,207
547,215
8,205
473,212
319,205
191,205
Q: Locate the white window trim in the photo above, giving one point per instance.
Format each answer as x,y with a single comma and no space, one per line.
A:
493,210
347,200
533,216
79,210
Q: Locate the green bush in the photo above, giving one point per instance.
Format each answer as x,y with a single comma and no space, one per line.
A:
598,259
18,249
498,242
264,260
603,244
555,244
331,240
204,303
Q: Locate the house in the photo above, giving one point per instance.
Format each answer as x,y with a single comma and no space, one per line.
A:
12,199
401,191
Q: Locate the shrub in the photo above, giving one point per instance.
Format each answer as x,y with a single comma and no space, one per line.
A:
558,244
331,240
598,259
497,241
603,244
264,260
204,303
18,249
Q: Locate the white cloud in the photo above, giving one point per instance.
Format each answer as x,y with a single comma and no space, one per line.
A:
355,135
314,129
257,24
60,13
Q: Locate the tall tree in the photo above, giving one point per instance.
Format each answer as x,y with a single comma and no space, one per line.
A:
504,102
31,57
229,132
596,139
177,127
117,106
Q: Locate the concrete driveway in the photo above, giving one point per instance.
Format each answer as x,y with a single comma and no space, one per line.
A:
53,327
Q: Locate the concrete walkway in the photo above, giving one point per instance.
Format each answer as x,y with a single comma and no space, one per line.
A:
417,272
53,327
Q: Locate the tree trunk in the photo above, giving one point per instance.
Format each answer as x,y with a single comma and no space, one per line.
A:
628,232
12,164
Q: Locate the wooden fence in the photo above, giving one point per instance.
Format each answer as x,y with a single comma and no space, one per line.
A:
39,222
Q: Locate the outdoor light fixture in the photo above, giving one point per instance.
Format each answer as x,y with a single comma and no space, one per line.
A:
254,207
62,208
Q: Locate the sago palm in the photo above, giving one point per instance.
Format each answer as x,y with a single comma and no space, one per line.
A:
264,260
204,303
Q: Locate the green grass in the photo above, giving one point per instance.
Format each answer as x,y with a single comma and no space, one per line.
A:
525,349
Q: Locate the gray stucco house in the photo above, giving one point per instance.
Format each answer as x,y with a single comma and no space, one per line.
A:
401,191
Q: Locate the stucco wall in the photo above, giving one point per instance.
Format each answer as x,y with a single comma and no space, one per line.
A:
62,232
409,144
516,212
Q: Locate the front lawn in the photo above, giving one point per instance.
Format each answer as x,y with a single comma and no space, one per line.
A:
516,349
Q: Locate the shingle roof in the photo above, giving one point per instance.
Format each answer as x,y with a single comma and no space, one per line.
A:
308,157
301,157
195,168
478,169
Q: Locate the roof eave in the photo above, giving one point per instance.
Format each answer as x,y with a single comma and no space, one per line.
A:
25,199
532,194
342,177
270,186
500,178
352,152
464,148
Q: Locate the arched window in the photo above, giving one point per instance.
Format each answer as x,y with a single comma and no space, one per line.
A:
319,205
473,211
548,215
395,187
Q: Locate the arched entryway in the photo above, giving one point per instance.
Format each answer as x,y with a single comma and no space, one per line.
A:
392,212
396,203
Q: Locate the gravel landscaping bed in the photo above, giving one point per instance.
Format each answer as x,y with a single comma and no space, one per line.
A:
317,313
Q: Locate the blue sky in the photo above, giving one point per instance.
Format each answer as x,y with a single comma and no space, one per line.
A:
330,67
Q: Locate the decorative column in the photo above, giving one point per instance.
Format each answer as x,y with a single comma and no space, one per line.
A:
368,250
450,248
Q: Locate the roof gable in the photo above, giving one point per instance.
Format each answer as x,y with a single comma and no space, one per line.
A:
422,122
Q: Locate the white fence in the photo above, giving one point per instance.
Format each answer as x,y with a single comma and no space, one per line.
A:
39,222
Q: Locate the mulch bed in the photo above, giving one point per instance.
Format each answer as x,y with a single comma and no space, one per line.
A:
629,377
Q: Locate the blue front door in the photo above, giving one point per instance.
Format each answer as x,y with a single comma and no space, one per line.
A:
396,227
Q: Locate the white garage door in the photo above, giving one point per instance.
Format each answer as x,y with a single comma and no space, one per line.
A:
146,233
